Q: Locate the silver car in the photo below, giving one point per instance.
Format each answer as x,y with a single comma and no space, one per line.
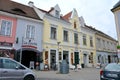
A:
13,70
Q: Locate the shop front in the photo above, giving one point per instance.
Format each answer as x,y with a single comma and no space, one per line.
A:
29,57
6,50
28,54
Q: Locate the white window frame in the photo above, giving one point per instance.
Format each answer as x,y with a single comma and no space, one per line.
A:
31,33
76,41
57,13
65,37
85,38
53,35
6,31
91,41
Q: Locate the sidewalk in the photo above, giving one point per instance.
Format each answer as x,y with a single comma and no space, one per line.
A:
83,74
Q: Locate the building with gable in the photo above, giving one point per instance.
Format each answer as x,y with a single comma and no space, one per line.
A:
88,47
67,38
62,38
55,37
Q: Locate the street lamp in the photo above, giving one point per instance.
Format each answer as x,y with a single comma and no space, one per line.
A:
21,51
58,43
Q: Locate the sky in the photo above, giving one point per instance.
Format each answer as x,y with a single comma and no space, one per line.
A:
96,13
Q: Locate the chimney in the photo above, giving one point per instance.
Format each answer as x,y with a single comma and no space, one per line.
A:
31,4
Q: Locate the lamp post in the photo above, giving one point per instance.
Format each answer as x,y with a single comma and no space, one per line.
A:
21,50
58,43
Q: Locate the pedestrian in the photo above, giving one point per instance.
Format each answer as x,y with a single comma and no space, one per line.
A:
75,67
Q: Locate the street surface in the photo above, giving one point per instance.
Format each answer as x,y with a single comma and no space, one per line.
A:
83,74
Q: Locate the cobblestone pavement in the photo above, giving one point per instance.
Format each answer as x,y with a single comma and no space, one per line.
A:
83,74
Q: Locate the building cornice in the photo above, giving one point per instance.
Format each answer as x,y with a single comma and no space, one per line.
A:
115,9
106,51
80,48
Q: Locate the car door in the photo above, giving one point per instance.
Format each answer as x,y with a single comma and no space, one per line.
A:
0,69
10,70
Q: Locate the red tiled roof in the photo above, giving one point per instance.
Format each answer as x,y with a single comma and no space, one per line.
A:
18,9
67,16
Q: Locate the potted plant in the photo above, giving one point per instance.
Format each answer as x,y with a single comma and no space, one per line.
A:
118,47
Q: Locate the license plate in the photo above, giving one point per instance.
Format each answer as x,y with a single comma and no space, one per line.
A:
112,75
111,79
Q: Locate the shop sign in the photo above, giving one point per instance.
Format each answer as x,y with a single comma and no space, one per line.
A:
6,44
29,44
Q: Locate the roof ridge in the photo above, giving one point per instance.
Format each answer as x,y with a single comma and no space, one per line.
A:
66,16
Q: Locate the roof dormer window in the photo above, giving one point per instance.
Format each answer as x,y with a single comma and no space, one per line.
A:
75,26
57,13
18,10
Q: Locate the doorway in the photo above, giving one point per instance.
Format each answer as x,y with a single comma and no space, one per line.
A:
28,56
85,59
52,59
76,57
109,59
66,56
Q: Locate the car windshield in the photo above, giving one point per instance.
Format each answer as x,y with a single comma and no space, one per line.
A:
113,67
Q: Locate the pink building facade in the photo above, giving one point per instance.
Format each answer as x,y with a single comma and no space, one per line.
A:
7,35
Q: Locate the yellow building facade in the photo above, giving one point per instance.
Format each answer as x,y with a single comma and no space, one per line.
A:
63,40
67,38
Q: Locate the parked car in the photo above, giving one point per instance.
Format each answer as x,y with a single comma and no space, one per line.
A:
110,72
13,70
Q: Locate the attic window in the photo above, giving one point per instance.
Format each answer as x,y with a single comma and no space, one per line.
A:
19,10
75,24
57,13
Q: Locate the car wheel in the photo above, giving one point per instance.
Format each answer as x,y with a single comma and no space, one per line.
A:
29,78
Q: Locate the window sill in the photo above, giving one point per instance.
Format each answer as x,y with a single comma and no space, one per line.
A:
65,41
53,39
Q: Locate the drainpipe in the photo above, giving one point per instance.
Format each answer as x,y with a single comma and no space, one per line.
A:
58,43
